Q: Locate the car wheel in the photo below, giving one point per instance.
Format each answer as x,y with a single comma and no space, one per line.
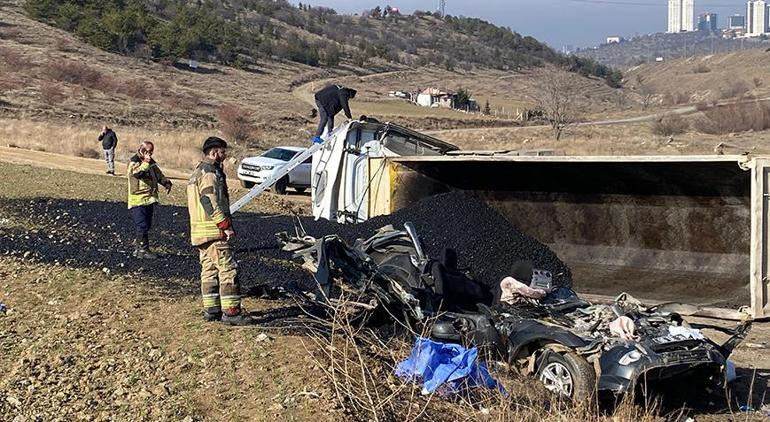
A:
568,375
300,190
247,185
280,186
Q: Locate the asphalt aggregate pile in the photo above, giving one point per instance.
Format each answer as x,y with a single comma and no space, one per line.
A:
94,234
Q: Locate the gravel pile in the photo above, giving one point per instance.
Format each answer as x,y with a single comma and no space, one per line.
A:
99,235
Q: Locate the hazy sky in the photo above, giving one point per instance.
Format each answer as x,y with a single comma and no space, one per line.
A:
579,23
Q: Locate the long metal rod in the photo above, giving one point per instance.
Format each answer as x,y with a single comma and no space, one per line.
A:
277,175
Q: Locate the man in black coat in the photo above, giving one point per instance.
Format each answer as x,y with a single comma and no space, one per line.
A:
109,141
330,101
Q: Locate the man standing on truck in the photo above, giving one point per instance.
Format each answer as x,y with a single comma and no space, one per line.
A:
144,176
211,230
330,101
109,141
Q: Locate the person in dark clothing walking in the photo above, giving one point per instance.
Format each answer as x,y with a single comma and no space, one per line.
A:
109,141
330,101
144,176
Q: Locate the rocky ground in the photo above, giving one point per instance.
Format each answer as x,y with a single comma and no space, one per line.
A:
90,334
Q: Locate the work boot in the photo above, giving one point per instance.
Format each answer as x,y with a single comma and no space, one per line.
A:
212,316
142,249
237,316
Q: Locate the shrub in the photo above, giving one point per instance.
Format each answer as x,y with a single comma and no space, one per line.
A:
72,72
235,122
670,124
51,93
734,118
86,152
734,90
701,68
12,59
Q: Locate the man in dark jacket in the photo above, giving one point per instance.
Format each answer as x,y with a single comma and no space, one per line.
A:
109,142
330,101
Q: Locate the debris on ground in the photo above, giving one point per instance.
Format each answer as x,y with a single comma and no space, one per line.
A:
3,308
445,367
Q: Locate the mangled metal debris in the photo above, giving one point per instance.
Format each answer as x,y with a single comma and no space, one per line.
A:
574,347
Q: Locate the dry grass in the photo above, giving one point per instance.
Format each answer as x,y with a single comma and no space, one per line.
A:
358,365
178,149
734,118
670,124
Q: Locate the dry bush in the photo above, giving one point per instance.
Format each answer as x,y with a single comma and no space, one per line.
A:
134,88
733,90
51,93
701,68
682,97
12,59
86,152
734,118
73,72
670,124
236,123
358,366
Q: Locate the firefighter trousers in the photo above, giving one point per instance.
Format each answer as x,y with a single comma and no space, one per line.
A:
219,282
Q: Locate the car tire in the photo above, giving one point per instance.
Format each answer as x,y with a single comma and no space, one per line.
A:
246,184
300,190
568,375
280,186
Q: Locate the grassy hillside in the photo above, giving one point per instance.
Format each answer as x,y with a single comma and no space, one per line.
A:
56,91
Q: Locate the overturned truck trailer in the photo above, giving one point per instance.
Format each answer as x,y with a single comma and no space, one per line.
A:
664,228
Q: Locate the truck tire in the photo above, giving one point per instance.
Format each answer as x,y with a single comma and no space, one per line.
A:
568,375
247,185
280,186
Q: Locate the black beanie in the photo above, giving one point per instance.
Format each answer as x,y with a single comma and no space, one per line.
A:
213,142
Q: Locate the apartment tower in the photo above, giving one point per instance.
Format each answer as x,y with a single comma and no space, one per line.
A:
681,15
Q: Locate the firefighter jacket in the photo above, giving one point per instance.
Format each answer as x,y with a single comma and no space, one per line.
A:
143,181
208,203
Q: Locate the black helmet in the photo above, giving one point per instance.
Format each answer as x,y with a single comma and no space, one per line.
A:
213,142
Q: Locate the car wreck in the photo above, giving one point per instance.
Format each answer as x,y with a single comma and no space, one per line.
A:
575,348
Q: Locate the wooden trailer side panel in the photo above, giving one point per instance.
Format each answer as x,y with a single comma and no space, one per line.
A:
760,219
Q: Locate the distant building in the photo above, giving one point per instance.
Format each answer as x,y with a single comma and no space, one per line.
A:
614,40
756,18
680,16
707,22
736,21
434,97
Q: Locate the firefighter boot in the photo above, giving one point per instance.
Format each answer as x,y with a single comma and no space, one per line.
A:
237,316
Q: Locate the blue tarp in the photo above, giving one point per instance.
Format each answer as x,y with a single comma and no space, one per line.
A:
446,367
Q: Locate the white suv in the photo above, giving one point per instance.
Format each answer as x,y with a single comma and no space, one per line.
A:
253,170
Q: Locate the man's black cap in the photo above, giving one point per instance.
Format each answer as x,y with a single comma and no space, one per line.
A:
213,142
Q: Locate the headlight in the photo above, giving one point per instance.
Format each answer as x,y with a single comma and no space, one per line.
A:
268,167
630,357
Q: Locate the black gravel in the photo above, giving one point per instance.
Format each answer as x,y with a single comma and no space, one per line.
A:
93,234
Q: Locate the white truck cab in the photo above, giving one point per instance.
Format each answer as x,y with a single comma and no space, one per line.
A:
341,173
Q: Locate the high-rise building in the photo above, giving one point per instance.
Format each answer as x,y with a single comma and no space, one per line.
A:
680,15
756,18
707,22
736,22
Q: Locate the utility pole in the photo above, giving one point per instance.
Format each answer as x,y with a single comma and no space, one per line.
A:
442,7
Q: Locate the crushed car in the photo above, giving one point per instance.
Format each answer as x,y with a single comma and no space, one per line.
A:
575,348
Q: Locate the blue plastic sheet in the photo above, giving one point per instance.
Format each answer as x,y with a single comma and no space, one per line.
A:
445,367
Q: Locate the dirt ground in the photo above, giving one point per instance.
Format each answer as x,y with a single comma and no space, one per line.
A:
84,342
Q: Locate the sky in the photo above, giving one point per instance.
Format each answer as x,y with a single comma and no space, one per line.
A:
576,23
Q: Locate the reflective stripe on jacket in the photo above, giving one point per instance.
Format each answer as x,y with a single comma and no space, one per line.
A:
143,181
208,202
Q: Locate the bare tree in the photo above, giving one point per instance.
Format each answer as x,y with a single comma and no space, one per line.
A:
557,98
647,94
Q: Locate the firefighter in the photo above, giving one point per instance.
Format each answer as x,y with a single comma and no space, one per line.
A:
211,231
144,176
